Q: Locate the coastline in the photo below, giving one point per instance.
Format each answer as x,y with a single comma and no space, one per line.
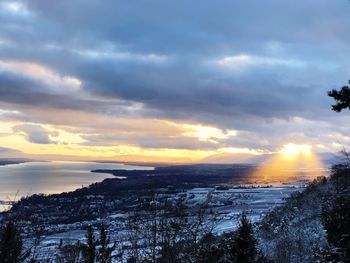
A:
22,178
13,161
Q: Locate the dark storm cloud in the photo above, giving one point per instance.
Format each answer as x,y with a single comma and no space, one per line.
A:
282,57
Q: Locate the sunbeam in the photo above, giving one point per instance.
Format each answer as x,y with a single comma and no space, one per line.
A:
292,162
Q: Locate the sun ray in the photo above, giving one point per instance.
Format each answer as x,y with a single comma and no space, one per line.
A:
290,163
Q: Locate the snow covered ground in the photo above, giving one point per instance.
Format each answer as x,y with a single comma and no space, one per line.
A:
227,205
223,208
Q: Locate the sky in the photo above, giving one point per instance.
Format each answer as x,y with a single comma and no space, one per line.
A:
171,80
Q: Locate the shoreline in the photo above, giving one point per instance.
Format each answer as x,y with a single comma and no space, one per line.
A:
49,177
11,162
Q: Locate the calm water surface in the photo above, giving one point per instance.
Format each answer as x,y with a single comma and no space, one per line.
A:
51,177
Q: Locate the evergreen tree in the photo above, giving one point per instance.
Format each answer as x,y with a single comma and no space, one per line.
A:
105,250
90,248
337,224
210,250
342,98
336,216
71,253
11,245
244,249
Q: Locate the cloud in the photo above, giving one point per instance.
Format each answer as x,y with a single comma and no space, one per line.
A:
25,84
36,133
107,71
51,81
15,8
149,56
242,61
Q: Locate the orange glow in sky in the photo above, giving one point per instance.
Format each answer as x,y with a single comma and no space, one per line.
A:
290,162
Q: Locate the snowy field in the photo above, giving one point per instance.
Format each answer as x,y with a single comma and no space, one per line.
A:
223,207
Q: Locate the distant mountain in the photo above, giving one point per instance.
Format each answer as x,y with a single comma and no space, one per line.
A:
10,153
11,156
13,161
327,158
229,158
244,158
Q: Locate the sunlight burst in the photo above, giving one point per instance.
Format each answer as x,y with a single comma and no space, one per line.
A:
293,161
293,150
